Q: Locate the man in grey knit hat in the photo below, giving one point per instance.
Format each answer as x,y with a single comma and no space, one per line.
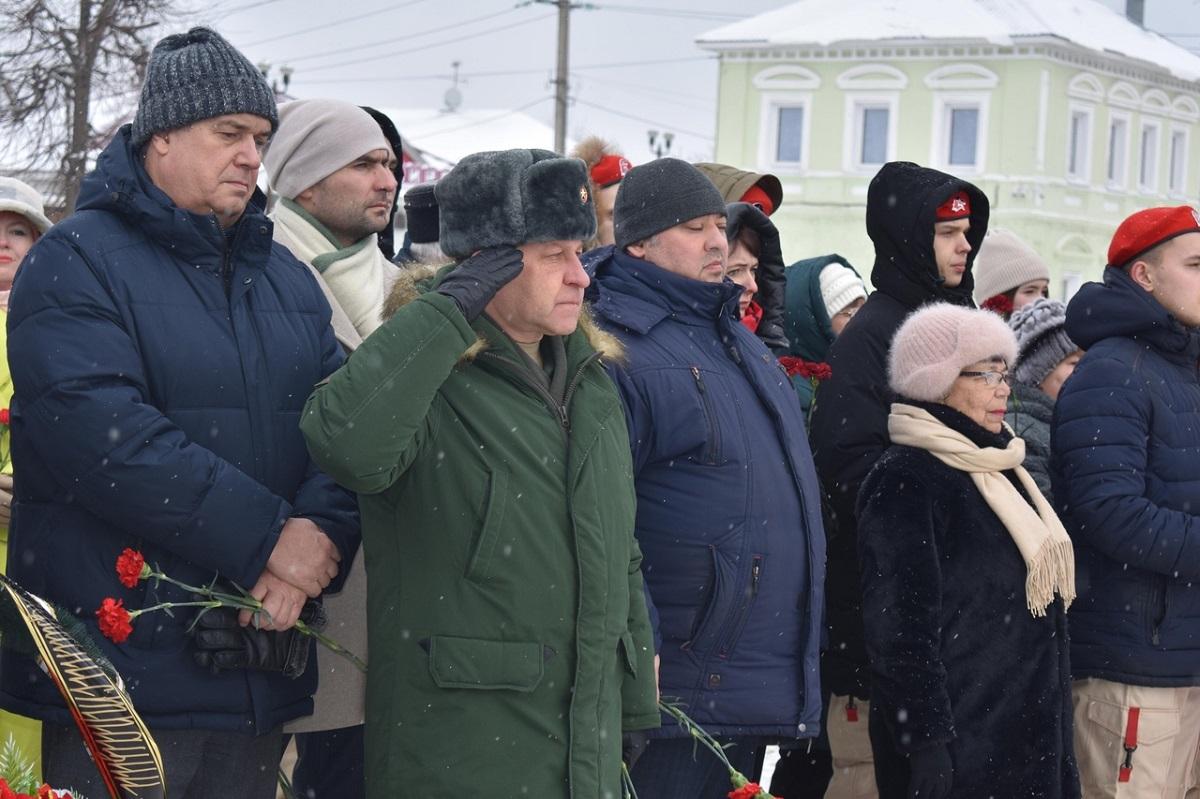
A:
166,347
728,505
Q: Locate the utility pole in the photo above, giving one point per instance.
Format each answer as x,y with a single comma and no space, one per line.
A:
560,78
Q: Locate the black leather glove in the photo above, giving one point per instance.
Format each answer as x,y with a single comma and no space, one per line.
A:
222,643
932,773
633,744
474,282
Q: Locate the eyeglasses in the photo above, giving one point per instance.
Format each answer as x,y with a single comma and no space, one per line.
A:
992,378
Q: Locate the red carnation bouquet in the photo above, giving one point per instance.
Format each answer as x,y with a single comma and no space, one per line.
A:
44,792
116,621
815,371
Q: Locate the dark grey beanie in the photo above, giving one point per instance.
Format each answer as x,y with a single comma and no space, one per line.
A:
513,197
1042,340
659,195
198,75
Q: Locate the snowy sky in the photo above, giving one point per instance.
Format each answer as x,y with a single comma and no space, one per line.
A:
635,66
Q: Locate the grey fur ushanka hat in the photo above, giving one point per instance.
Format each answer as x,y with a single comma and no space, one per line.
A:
513,197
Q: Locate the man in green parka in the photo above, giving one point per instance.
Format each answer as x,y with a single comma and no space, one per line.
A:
510,645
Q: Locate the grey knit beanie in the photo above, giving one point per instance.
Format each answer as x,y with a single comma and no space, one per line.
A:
1004,263
660,195
1042,340
198,75
317,138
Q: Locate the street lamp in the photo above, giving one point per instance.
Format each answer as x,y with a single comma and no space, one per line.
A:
660,142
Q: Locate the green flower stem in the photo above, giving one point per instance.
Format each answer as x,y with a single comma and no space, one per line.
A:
332,646
133,614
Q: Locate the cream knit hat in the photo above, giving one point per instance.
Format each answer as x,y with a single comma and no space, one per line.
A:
315,139
1005,262
23,199
840,287
936,342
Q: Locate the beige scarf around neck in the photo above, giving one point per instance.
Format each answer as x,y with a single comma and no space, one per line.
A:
1040,537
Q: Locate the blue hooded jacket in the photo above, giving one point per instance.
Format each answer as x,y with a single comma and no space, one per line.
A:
729,517
159,372
1125,464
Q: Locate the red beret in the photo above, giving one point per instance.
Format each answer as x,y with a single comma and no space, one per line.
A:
958,206
1145,230
756,196
609,170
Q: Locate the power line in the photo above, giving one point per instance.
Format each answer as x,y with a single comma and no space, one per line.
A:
615,112
394,39
512,72
327,25
669,12
431,45
661,95
246,7
486,120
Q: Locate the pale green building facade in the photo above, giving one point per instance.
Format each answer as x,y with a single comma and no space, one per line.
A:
1065,140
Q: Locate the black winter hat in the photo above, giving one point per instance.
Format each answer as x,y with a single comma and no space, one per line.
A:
198,75
512,197
660,195
421,209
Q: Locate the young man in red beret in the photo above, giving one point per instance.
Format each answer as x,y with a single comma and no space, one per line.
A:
926,227
1126,469
606,170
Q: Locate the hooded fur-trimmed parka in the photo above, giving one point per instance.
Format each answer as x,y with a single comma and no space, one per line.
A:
506,621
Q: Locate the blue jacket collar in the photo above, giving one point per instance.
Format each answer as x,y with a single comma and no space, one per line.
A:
637,294
1118,307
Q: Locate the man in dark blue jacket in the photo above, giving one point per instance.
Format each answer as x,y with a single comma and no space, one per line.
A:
162,348
728,513
1125,464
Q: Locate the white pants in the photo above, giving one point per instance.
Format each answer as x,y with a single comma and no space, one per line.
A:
1164,725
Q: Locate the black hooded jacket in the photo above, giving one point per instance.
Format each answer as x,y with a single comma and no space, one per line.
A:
771,282
849,420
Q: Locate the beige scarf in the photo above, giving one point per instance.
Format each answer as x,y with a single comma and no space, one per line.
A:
1040,537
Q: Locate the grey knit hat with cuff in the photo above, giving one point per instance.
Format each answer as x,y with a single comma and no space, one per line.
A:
1042,340
198,75
660,195
315,139
511,197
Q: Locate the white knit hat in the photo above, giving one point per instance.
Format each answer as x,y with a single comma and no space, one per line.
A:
23,199
1003,263
936,342
840,286
315,139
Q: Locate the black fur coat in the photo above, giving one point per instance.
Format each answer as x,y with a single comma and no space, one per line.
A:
955,656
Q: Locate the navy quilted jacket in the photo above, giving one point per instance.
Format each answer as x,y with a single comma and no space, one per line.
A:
159,379
728,514
1126,471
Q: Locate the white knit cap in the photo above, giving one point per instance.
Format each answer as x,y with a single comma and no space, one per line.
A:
23,199
840,287
938,341
315,139
1003,263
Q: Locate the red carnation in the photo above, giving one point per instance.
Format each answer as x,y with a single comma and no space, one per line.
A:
748,791
4,416
1000,304
114,620
822,371
130,565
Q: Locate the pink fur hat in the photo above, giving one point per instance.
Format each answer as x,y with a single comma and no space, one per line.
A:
938,341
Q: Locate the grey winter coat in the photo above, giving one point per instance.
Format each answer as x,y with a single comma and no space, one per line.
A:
1029,412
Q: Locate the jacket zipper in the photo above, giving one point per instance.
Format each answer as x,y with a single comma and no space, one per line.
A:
710,453
1159,608
743,614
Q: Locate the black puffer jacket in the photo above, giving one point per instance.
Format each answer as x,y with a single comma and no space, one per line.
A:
771,283
849,419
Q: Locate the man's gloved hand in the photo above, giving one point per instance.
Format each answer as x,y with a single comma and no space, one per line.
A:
474,282
932,773
633,744
222,643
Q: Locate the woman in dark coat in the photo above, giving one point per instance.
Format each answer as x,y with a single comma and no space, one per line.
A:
966,575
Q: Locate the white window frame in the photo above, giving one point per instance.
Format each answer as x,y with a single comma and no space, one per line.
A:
1156,126
856,103
1083,175
1120,181
768,131
1178,189
1072,281
943,104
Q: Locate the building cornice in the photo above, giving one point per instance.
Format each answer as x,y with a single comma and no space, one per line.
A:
1033,48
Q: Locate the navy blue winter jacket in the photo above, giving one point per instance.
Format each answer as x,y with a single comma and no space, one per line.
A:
159,379
728,508
1126,470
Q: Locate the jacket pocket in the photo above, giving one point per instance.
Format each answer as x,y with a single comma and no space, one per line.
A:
743,608
712,453
486,665
628,653
480,561
734,590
